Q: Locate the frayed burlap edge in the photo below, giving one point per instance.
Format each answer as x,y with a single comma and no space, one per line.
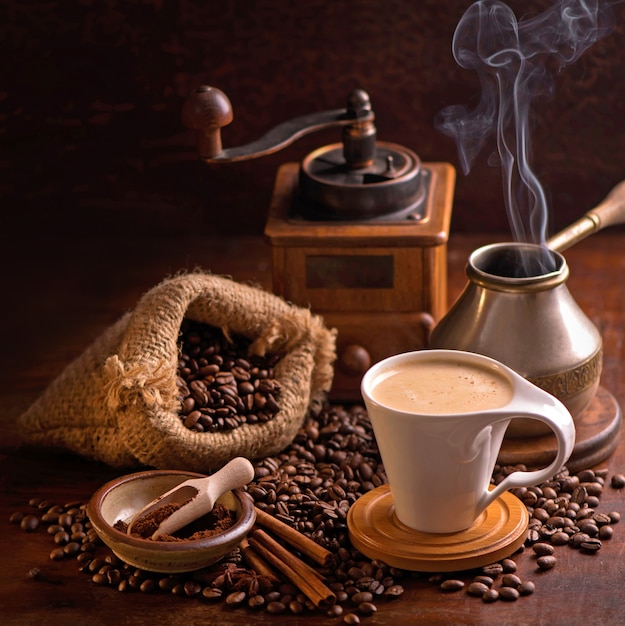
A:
70,414
127,410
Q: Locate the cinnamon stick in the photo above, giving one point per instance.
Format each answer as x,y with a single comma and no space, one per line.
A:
297,572
270,543
303,544
258,564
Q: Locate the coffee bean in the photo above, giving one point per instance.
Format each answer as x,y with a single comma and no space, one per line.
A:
508,565
176,590
477,589
71,548
192,419
65,520
584,513
256,602
29,523
61,537
236,598
134,581
192,588
509,593
511,580
559,539
606,532
529,498
601,519
587,475
543,549
34,573
362,596
591,545
492,595
16,517
49,518
555,522
148,586
546,562
526,588
212,593
589,526
394,591
367,608
493,570
57,554
579,495
568,484
335,610
452,584
618,481
276,608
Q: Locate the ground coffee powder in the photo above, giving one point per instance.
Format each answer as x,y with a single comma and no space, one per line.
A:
213,523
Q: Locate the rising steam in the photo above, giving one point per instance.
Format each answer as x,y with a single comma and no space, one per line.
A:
514,60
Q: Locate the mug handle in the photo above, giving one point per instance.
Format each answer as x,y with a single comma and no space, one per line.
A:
555,415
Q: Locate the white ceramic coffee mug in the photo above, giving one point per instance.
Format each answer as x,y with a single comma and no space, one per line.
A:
439,418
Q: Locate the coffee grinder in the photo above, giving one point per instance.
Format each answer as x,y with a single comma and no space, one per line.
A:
358,229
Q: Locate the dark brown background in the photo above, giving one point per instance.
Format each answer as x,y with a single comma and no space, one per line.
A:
91,94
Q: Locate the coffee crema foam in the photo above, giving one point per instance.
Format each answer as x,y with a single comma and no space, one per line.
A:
436,387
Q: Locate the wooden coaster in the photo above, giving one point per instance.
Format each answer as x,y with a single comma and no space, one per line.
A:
375,530
595,438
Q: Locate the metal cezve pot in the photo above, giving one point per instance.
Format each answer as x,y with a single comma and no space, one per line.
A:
516,311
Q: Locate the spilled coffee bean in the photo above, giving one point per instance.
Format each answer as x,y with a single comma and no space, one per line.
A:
311,485
562,512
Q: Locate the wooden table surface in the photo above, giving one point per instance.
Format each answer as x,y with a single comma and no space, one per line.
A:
60,295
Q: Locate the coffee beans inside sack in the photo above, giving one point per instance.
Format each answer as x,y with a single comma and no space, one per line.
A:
221,385
121,401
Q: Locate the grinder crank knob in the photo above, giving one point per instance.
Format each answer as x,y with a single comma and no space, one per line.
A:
207,110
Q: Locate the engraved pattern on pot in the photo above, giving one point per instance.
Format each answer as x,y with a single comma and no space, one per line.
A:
574,381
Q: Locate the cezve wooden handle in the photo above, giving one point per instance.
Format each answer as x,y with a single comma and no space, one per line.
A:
610,212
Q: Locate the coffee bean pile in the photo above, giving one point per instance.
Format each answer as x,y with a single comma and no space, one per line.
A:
311,485
562,512
483,585
220,385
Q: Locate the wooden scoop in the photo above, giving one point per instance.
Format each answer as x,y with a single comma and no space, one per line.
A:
608,213
197,496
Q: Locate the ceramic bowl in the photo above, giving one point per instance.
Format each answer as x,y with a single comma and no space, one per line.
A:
121,498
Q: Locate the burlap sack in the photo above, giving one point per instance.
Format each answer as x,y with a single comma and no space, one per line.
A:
117,402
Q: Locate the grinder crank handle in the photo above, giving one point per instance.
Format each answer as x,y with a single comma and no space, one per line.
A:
609,212
208,109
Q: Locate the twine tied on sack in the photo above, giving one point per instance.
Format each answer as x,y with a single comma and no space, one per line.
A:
118,401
